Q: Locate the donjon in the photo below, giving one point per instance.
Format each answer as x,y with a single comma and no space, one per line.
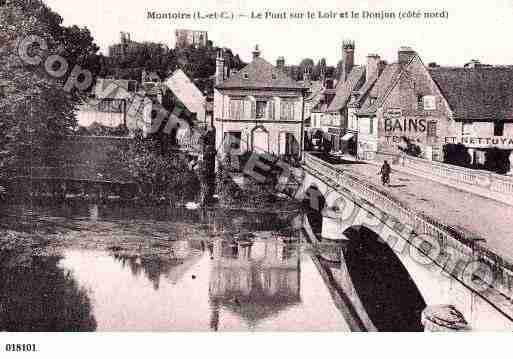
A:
185,38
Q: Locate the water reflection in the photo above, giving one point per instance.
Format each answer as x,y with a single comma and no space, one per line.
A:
179,257
41,296
254,280
165,269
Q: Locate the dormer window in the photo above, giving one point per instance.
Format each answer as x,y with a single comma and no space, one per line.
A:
245,76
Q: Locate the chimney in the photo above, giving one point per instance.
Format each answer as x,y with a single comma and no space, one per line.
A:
306,76
280,63
256,52
322,74
220,75
347,59
373,66
405,54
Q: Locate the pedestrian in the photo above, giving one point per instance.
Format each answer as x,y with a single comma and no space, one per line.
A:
385,173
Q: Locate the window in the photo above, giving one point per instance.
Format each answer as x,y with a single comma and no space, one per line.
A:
2,91
287,110
232,139
498,128
273,76
431,129
371,126
132,86
111,105
245,76
420,102
236,109
466,128
260,109
429,103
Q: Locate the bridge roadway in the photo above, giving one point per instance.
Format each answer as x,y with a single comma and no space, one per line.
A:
477,217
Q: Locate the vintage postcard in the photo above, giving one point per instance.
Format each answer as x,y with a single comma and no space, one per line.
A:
241,166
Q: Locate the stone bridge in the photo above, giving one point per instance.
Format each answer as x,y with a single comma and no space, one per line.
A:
434,264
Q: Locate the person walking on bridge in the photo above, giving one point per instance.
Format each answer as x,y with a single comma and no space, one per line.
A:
385,173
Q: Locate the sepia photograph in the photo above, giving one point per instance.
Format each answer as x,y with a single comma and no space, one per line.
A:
241,167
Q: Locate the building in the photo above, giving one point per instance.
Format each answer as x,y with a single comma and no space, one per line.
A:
125,47
403,112
258,109
480,99
108,105
188,94
186,38
424,111
330,115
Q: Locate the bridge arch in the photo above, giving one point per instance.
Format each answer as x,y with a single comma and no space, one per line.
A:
384,286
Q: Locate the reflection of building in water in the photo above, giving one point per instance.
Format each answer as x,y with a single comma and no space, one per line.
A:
254,280
171,262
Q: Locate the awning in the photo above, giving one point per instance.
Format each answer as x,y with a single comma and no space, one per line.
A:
347,136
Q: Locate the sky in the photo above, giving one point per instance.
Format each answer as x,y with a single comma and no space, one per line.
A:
473,30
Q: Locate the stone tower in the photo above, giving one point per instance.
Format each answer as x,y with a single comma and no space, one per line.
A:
220,68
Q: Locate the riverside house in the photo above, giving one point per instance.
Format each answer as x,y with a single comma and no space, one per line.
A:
259,108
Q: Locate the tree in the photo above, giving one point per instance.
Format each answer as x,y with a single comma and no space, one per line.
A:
36,110
456,154
159,173
497,160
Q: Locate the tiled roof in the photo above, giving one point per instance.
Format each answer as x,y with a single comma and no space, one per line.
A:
344,89
481,93
314,89
260,74
381,88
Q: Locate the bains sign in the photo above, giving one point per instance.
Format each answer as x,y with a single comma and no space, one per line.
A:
398,127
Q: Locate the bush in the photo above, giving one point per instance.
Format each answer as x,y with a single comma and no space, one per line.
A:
497,160
411,149
456,154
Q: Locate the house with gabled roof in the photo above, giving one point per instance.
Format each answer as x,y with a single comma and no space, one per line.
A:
403,111
480,99
258,109
333,114
424,110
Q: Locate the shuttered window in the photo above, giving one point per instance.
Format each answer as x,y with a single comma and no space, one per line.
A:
287,110
260,109
431,129
271,109
236,109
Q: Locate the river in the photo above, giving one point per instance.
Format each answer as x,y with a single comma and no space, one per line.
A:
118,267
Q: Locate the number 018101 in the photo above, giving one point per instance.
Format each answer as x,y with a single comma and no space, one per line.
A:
20,348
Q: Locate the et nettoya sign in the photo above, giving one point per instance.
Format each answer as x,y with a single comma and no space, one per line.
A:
481,142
